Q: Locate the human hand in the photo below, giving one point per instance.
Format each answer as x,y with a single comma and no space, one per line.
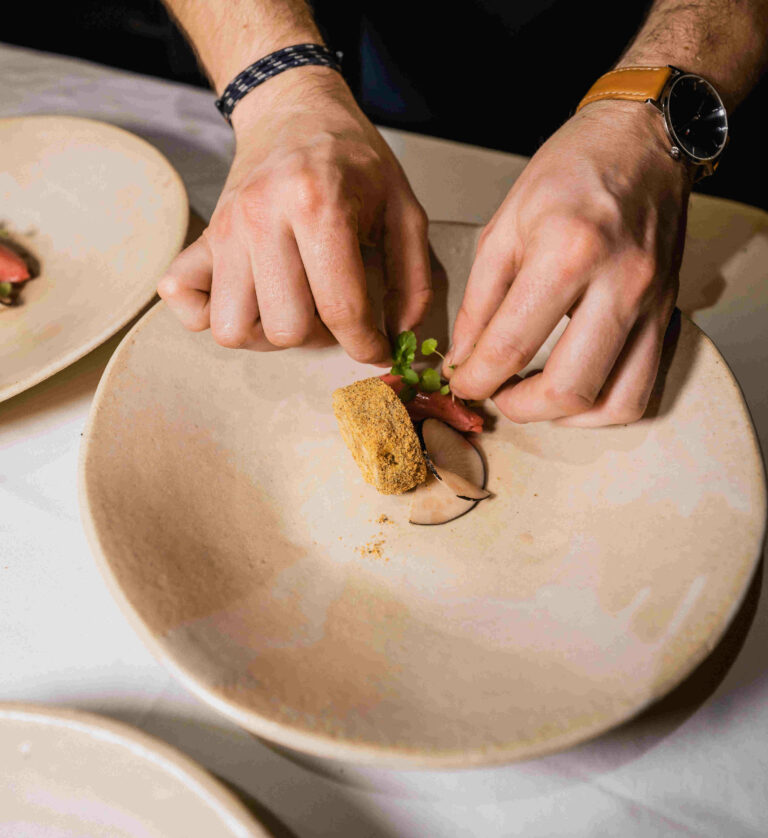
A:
594,228
280,264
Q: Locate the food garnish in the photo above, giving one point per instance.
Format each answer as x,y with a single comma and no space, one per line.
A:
403,432
404,355
13,274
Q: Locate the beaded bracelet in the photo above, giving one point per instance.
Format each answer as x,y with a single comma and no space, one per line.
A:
272,64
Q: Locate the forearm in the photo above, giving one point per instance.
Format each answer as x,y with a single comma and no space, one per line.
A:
726,41
228,35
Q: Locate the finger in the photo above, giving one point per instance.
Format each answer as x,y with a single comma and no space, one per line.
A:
234,307
578,367
490,278
626,394
541,294
285,300
408,272
186,286
333,263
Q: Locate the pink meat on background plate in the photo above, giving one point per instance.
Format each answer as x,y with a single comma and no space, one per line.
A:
12,267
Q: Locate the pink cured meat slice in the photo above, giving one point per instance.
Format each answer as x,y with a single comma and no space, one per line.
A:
12,267
437,406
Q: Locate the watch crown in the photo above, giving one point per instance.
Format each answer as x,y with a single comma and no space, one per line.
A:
674,152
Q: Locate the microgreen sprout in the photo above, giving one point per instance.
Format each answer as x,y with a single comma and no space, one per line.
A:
430,380
404,355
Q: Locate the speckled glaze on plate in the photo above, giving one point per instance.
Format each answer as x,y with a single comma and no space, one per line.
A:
235,530
103,213
68,774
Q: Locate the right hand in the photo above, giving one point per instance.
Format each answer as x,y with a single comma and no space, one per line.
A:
280,263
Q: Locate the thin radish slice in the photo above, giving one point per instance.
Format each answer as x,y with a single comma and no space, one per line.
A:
455,478
459,486
433,505
448,449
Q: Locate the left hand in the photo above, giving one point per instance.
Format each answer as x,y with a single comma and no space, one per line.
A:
594,228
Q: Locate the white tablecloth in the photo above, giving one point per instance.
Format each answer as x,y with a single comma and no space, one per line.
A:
696,766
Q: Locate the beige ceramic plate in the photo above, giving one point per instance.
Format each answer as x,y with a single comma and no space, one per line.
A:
235,529
103,213
67,774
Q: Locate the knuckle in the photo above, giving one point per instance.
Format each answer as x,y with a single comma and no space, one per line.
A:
508,352
308,197
466,318
286,335
581,240
170,287
627,413
417,218
422,299
485,237
568,400
340,315
640,272
230,335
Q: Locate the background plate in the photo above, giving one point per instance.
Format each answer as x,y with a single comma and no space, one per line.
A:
67,774
104,213
235,529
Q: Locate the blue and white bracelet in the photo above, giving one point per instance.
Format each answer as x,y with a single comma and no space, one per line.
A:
284,59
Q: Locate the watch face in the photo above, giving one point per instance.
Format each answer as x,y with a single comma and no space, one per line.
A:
696,117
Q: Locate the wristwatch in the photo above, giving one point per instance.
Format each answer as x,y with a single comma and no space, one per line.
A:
694,115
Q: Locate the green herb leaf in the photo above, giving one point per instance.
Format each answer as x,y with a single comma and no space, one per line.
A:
411,376
407,393
405,349
429,346
5,289
445,389
430,380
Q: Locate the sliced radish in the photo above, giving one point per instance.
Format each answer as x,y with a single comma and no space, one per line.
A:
456,476
433,505
448,449
460,486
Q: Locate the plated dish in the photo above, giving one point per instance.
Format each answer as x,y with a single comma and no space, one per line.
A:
74,774
247,549
99,214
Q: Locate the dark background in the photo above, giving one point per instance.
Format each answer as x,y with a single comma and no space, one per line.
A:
497,73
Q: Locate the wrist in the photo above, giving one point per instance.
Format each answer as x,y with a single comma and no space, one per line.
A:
305,89
228,63
638,129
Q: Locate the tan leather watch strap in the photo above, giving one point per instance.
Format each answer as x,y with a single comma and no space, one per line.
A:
633,83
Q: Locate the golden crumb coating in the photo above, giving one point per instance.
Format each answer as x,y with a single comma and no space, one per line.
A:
378,431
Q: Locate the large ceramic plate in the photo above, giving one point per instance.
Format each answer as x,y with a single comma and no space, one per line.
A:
67,774
235,529
103,213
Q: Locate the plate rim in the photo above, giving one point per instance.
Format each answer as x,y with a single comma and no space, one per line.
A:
172,760
67,359
398,757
